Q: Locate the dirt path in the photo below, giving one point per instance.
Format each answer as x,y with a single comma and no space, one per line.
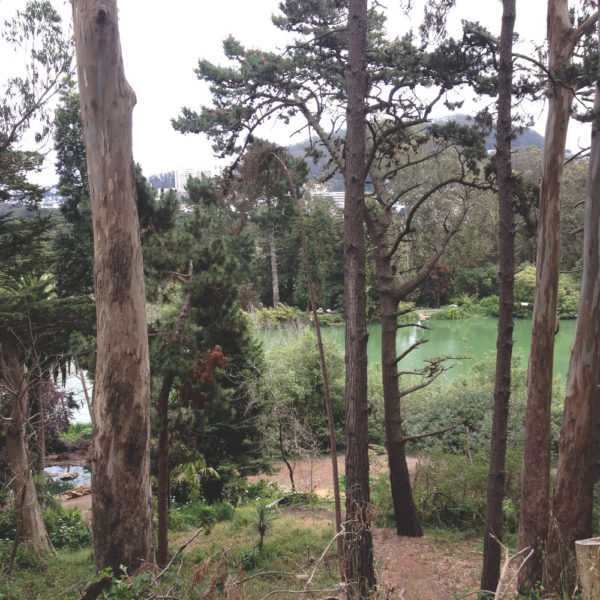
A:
424,568
316,474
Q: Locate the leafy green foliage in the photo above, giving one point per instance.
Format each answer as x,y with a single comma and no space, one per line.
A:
67,529
197,514
77,432
262,519
450,490
36,30
280,316
568,295
467,402
294,373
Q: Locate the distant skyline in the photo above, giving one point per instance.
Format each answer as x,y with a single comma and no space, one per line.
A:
162,46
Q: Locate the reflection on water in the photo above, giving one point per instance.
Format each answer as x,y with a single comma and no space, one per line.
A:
55,473
474,339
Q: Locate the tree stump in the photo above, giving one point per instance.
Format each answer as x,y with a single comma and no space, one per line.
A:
588,567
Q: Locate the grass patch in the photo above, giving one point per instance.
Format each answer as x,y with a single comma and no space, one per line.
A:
61,576
77,432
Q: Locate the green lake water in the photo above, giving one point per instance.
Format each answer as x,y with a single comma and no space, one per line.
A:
472,338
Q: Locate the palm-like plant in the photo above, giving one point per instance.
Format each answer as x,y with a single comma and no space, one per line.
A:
262,519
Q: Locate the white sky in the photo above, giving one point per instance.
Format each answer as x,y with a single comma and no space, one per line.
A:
162,43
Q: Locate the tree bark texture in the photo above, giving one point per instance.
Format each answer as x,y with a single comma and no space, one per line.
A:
359,569
122,507
274,272
407,522
391,292
29,512
506,265
571,517
533,524
405,511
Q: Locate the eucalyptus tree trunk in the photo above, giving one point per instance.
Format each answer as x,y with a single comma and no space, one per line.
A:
578,450
360,574
122,506
274,273
533,524
506,266
28,507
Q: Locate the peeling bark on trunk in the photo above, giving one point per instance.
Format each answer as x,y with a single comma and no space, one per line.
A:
360,574
29,512
39,427
533,525
573,491
122,507
506,265
274,274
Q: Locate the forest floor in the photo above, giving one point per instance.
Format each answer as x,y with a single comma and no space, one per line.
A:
433,567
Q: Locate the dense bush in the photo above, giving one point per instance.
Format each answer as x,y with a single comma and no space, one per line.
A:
436,288
273,318
198,514
77,432
66,528
294,377
468,402
568,295
450,490
490,305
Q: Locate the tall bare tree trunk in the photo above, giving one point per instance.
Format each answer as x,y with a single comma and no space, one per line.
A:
274,273
122,506
29,512
39,425
506,267
571,517
360,574
533,524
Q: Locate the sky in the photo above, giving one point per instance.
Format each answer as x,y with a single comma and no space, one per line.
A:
162,43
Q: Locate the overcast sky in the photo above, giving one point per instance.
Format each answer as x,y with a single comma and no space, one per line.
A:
162,43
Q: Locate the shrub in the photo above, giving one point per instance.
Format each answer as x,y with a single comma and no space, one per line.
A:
490,306
450,490
294,375
468,402
77,432
568,295
66,528
451,313
525,284
409,317
283,315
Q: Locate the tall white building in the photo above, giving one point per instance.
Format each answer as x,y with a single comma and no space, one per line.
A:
182,176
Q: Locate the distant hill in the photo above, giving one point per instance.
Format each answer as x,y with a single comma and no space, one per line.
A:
528,137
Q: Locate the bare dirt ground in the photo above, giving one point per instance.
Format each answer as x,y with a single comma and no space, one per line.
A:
425,568
316,474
